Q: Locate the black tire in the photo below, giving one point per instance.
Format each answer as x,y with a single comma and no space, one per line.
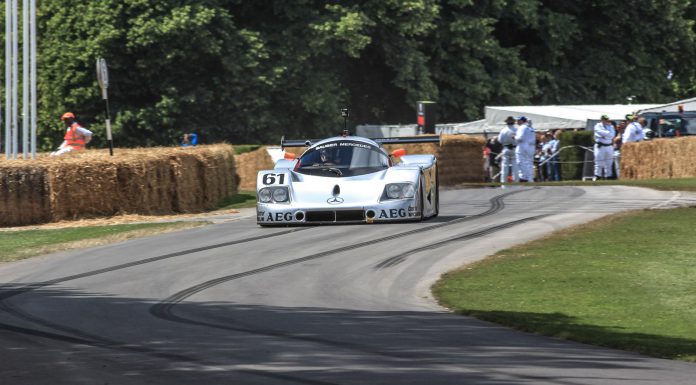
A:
421,205
437,192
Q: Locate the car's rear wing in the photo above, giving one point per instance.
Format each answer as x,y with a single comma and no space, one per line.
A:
399,140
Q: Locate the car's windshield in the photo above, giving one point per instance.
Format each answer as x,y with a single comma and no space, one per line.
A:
342,158
685,126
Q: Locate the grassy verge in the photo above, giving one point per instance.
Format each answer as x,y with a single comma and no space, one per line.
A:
242,148
243,199
681,184
625,282
15,245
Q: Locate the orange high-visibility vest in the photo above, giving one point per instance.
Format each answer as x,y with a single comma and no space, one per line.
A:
74,139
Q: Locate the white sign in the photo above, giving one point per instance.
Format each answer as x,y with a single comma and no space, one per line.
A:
103,76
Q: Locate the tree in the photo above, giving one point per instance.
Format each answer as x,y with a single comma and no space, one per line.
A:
174,68
245,71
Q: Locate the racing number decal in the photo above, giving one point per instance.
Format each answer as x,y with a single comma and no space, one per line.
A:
271,179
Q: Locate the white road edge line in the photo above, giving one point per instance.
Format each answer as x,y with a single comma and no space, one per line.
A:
675,195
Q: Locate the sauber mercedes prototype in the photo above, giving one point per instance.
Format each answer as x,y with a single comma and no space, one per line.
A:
348,179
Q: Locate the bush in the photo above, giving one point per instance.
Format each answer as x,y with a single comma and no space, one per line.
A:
572,158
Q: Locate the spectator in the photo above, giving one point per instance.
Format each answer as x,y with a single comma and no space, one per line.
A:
603,151
524,152
647,132
189,140
76,137
554,166
508,165
544,152
617,142
493,148
633,131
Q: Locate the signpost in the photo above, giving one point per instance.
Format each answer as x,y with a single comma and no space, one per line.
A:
103,79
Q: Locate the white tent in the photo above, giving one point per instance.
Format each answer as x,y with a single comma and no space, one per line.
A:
542,117
689,105
552,117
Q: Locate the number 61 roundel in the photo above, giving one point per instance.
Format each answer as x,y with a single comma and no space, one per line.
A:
271,179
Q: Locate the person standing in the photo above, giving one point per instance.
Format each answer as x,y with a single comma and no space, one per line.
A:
491,150
554,164
525,139
76,137
544,152
633,131
508,165
604,133
616,144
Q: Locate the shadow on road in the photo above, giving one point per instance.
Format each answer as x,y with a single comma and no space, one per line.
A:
88,336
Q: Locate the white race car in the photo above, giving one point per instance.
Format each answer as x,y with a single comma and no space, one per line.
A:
349,179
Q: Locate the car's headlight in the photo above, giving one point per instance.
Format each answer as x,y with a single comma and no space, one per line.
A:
274,194
265,195
280,194
408,191
393,191
399,191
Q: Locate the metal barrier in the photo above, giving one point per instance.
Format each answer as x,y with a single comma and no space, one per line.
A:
588,150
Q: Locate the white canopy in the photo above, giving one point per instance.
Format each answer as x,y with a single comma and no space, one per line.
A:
542,117
566,117
689,105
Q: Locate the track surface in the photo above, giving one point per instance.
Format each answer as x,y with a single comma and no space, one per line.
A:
237,304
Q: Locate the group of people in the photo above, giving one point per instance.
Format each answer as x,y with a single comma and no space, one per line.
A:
609,136
515,150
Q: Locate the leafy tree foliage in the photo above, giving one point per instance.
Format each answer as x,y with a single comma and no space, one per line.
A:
251,71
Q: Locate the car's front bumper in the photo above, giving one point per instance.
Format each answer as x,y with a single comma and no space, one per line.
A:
295,214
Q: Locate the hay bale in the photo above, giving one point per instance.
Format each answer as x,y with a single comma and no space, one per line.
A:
659,159
249,164
459,157
22,194
134,181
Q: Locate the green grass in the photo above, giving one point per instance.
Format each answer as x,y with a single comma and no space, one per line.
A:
625,282
243,199
681,184
242,148
15,245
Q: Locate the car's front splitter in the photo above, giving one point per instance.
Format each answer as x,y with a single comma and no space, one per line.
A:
292,214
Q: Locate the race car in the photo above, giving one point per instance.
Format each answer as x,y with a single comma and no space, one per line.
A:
348,179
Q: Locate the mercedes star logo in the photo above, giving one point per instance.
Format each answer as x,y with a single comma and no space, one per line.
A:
334,200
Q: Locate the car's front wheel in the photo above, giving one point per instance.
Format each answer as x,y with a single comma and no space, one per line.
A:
436,206
421,203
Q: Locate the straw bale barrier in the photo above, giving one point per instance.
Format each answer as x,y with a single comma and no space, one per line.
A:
134,181
659,159
459,157
249,164
23,197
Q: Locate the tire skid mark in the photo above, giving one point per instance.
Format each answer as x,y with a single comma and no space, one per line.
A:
497,204
393,261
14,291
90,340
163,309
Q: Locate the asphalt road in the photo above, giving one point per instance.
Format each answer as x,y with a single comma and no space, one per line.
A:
233,303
